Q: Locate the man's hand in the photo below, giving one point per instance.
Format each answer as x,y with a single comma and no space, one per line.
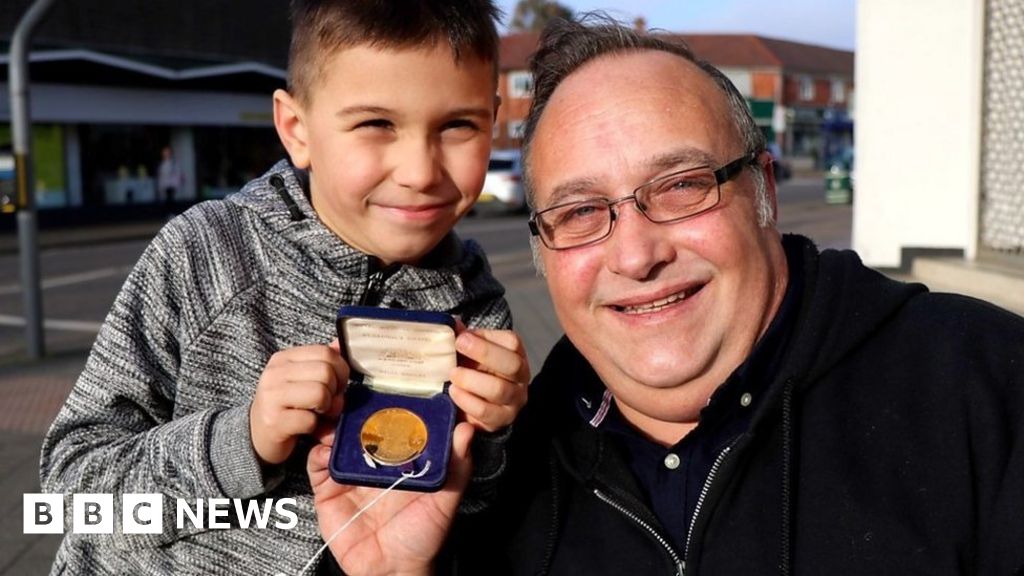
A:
297,386
490,384
400,534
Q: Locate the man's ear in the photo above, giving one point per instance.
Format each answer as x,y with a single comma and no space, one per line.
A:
497,105
290,122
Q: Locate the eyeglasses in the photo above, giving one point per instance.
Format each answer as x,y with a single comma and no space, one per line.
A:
671,198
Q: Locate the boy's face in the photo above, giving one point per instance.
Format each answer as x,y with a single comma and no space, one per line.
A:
396,143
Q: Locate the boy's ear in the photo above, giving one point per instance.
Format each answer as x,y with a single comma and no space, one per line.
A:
497,104
290,122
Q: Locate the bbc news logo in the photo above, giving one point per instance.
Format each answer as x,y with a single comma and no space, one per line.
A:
144,513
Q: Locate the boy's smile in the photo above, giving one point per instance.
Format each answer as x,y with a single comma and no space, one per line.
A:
396,142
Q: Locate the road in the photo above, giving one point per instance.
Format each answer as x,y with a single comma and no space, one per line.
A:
80,282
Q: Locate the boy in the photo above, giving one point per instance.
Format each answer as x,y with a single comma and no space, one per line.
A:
211,367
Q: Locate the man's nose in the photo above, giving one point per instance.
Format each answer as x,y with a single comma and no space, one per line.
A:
637,247
417,165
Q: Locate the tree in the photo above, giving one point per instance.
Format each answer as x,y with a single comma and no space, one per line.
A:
533,15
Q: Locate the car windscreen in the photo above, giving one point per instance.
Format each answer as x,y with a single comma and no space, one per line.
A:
498,164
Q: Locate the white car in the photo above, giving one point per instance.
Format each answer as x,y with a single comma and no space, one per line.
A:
503,187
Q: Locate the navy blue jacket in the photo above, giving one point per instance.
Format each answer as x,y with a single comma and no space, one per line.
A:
891,441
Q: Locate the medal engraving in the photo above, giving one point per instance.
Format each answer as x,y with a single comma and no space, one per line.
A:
393,436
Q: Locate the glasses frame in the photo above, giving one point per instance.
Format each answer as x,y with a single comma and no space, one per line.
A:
722,175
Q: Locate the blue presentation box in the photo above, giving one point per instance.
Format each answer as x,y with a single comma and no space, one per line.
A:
397,417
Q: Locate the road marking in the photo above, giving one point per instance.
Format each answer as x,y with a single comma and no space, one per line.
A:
52,324
70,279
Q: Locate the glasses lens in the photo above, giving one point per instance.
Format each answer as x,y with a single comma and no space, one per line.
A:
574,224
679,195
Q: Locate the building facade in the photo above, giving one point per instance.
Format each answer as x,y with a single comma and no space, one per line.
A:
123,92
800,94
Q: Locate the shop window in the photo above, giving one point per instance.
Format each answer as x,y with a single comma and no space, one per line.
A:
520,84
806,88
838,90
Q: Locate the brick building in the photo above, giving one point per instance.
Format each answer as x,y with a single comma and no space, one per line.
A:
800,94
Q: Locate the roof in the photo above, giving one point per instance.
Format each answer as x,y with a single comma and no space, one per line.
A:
722,50
516,50
749,50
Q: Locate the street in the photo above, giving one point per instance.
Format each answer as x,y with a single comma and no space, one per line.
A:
80,282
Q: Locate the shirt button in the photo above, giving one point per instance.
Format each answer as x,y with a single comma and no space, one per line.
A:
671,461
746,399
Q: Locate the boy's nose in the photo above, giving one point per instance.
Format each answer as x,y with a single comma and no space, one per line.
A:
417,166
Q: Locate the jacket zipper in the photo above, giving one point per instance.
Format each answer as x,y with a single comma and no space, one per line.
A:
375,283
703,495
680,565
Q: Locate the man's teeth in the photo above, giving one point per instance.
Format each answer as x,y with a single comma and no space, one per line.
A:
654,306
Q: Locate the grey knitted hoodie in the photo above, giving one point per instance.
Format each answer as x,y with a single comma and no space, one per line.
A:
163,403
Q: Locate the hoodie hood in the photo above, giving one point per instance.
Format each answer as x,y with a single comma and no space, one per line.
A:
454,275
844,303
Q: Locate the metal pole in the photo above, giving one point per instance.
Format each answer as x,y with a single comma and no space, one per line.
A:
21,130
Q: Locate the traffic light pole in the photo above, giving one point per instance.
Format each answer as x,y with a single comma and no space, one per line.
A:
21,130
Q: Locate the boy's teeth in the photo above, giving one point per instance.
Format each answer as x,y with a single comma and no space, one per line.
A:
656,305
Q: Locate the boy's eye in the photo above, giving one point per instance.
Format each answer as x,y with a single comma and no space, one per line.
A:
375,123
461,124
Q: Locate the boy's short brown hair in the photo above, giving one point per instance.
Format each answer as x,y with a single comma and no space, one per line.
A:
320,28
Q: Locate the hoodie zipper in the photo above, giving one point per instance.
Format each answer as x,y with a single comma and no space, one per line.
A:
680,565
375,283
703,495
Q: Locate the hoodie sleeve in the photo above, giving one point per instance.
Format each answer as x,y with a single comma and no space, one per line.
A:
484,307
118,431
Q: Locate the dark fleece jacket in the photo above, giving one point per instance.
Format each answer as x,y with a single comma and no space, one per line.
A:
891,441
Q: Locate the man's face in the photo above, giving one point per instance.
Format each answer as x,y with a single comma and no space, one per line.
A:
664,312
396,142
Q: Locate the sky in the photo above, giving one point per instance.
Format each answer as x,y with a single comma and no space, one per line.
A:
823,22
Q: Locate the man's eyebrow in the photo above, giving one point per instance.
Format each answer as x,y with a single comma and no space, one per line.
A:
566,190
684,157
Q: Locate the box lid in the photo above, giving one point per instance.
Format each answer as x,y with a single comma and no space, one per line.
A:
398,351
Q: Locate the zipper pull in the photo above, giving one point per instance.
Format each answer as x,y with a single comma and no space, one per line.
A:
375,283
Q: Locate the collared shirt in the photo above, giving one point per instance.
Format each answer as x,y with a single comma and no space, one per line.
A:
672,478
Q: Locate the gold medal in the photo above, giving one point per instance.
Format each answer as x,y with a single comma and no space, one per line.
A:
393,436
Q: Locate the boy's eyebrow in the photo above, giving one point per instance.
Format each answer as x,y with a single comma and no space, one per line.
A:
362,109
485,112
380,110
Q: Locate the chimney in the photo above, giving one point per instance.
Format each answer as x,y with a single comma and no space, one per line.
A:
640,24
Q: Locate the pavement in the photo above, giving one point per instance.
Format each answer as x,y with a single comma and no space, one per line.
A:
31,393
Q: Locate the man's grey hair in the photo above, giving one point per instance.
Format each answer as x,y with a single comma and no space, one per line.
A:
566,45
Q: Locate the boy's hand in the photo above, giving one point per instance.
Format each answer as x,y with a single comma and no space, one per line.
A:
490,384
297,386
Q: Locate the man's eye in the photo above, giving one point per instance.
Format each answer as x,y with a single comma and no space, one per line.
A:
581,213
686,183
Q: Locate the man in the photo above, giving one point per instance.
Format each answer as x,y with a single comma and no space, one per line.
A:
727,401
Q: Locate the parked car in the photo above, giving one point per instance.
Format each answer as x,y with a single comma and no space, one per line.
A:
503,187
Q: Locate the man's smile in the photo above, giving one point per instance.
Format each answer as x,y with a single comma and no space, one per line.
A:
658,304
